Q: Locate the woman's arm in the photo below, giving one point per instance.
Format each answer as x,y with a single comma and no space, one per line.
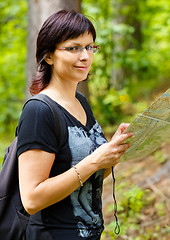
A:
38,191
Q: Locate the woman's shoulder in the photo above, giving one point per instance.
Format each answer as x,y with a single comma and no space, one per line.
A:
35,105
36,110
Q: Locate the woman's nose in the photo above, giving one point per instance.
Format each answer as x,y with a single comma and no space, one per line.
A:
84,54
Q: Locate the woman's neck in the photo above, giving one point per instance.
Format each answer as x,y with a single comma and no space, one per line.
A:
61,90
65,95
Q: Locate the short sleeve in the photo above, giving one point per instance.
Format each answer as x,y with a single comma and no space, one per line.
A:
36,128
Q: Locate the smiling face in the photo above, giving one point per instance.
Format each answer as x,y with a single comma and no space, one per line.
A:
69,66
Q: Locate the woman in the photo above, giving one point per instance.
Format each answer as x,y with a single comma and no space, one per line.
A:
61,186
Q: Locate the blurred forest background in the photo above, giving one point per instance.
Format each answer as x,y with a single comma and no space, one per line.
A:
131,69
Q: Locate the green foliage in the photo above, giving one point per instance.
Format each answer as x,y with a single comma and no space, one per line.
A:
134,51
13,24
129,209
132,202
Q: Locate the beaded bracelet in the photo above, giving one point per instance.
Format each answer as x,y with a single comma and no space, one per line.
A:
78,174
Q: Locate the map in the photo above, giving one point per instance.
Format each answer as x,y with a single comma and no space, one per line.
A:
151,129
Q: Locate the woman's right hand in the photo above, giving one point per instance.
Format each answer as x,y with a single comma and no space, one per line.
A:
108,155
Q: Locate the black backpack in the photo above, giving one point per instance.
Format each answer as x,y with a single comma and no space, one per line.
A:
13,217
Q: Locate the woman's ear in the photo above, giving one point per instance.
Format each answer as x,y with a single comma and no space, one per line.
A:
48,58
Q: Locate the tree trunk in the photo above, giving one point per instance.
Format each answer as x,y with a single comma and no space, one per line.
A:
118,72
121,41
39,11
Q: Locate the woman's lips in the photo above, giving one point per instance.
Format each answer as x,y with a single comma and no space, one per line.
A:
82,68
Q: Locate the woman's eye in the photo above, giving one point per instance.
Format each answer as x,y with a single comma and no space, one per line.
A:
89,48
72,49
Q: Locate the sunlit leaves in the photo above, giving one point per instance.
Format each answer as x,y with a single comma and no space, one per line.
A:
13,26
134,42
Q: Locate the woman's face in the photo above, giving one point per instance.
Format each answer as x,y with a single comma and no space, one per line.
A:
72,66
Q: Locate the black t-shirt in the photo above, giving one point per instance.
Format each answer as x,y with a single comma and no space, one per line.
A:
78,216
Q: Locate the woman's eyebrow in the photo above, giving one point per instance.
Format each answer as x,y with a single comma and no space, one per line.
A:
78,44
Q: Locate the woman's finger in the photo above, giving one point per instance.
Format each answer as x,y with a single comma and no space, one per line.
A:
123,147
122,127
121,138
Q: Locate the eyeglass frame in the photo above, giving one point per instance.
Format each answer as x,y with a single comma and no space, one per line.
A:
79,49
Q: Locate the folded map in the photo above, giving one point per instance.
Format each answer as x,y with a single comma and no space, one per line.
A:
151,129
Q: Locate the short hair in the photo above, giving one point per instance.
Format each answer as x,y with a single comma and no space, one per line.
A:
59,27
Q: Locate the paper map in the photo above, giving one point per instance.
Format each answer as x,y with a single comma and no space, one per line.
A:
151,129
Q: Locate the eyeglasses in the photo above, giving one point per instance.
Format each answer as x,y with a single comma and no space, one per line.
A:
78,49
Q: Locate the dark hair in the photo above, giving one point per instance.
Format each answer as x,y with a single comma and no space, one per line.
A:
59,27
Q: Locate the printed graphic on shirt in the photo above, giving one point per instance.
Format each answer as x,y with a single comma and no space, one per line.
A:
86,200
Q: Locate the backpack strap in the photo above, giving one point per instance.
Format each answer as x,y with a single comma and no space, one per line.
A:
60,127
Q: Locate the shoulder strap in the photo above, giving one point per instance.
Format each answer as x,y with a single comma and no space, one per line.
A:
60,128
